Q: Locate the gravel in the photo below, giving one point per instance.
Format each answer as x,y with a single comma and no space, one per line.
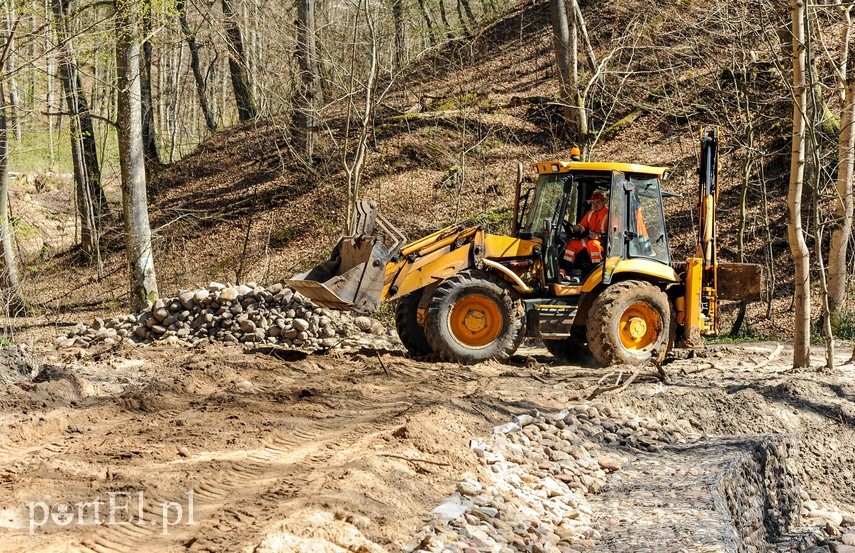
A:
591,478
246,313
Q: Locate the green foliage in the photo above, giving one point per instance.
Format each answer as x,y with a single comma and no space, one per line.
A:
620,124
498,221
846,326
5,343
458,102
33,153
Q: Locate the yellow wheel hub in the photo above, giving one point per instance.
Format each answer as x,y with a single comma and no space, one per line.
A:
475,320
639,326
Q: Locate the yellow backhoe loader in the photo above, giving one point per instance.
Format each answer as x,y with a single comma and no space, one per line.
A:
465,295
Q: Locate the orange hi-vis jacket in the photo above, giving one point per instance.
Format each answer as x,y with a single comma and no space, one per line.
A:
593,221
596,221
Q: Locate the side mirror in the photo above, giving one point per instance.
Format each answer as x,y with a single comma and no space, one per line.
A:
547,227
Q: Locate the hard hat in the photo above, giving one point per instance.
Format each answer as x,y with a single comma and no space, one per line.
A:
575,153
597,196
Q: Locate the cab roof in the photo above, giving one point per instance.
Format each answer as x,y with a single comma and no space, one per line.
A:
549,167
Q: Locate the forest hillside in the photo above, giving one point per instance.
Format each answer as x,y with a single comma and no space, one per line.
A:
443,145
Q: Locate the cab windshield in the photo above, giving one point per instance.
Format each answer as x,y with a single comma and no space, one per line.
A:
547,203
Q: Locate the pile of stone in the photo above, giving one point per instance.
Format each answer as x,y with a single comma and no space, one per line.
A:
540,468
245,313
17,364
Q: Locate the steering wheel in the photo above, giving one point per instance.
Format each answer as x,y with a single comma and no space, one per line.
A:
568,230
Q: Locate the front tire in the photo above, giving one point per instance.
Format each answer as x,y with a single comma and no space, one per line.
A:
630,322
474,316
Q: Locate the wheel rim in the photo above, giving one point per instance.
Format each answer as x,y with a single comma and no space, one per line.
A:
639,326
475,320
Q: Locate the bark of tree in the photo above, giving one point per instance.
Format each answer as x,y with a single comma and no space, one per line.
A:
354,169
444,18
844,206
91,202
238,67
561,46
9,282
428,21
196,67
149,131
795,232
400,39
460,18
14,107
305,118
468,10
138,248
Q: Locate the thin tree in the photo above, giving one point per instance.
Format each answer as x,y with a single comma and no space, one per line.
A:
561,47
14,106
400,38
354,168
149,131
9,282
91,202
428,22
305,117
238,66
196,67
9,271
138,248
843,209
795,232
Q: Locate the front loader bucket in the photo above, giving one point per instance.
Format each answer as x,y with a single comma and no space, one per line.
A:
351,279
353,276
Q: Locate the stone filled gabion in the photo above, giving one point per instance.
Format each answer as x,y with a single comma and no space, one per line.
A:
246,313
540,468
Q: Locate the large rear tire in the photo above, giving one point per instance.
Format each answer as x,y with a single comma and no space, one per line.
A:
474,316
410,332
630,322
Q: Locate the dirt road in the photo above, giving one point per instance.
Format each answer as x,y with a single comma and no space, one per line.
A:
214,449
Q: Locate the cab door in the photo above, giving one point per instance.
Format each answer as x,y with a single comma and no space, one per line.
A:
616,247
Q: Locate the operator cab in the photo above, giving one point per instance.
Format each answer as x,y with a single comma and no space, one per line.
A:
561,199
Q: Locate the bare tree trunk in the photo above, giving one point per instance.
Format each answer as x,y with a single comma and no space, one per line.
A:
844,206
176,105
196,67
460,18
152,156
355,168
91,202
795,233
400,39
561,46
9,282
143,281
238,67
444,18
468,10
14,100
305,118
428,21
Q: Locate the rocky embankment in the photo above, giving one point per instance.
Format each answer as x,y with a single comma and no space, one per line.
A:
245,313
590,478
541,470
